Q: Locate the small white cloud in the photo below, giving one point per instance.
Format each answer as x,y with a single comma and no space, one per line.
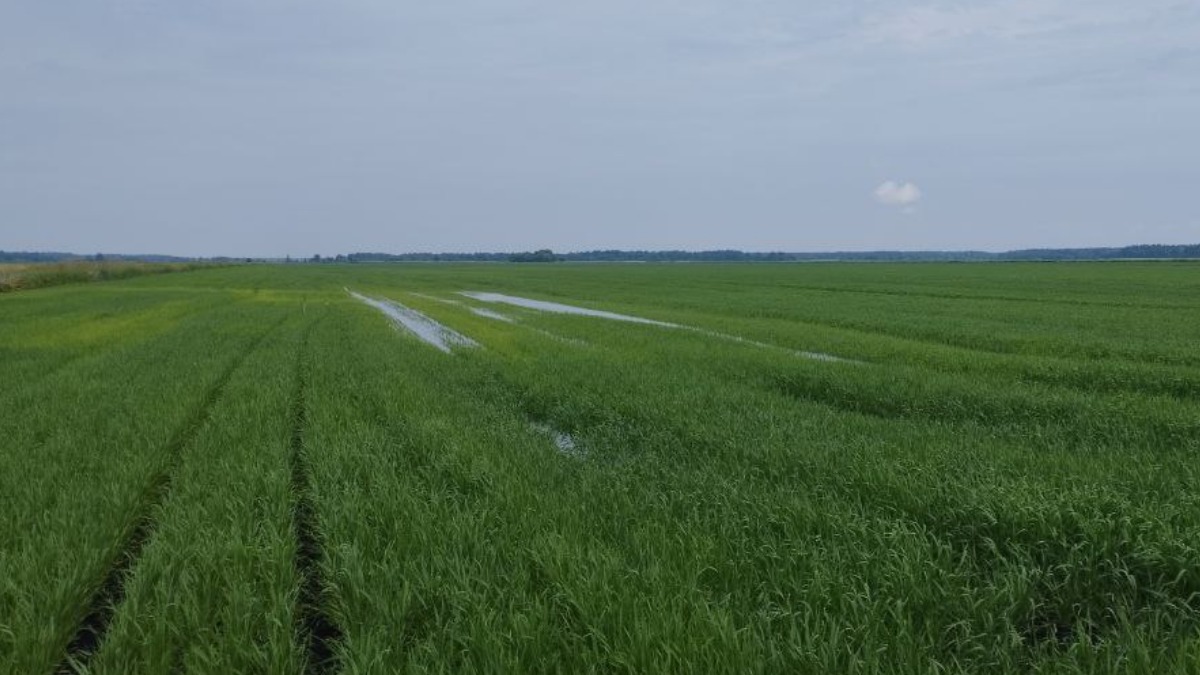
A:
892,193
928,24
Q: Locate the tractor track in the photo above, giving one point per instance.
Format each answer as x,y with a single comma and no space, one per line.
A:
317,632
101,608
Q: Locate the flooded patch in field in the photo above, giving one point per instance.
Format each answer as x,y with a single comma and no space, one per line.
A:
816,356
564,442
822,356
444,301
559,308
559,338
489,314
418,324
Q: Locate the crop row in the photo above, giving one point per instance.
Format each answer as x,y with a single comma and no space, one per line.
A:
258,473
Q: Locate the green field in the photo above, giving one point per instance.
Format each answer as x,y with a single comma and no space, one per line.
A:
249,470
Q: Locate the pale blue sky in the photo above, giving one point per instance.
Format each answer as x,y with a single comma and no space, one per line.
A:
272,127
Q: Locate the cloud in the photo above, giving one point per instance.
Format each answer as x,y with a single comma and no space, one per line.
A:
892,193
926,24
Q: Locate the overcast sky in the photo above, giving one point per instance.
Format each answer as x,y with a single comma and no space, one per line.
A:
272,127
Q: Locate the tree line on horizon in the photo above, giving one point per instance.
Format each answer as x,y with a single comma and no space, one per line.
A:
1140,251
1135,252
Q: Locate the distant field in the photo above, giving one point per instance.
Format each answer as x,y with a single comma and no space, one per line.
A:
801,468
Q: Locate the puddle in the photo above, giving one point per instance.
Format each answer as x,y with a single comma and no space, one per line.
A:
444,301
418,324
565,444
487,313
816,356
559,308
558,338
822,356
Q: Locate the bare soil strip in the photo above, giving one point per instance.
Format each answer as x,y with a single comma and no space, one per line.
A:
316,630
559,308
89,634
418,324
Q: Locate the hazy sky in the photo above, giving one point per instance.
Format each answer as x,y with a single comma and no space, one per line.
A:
272,127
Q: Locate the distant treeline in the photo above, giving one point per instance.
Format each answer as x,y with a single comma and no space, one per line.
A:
1125,252
54,256
1140,251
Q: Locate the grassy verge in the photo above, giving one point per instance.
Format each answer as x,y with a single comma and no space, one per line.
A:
41,275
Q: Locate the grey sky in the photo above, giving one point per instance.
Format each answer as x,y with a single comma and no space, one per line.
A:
269,127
